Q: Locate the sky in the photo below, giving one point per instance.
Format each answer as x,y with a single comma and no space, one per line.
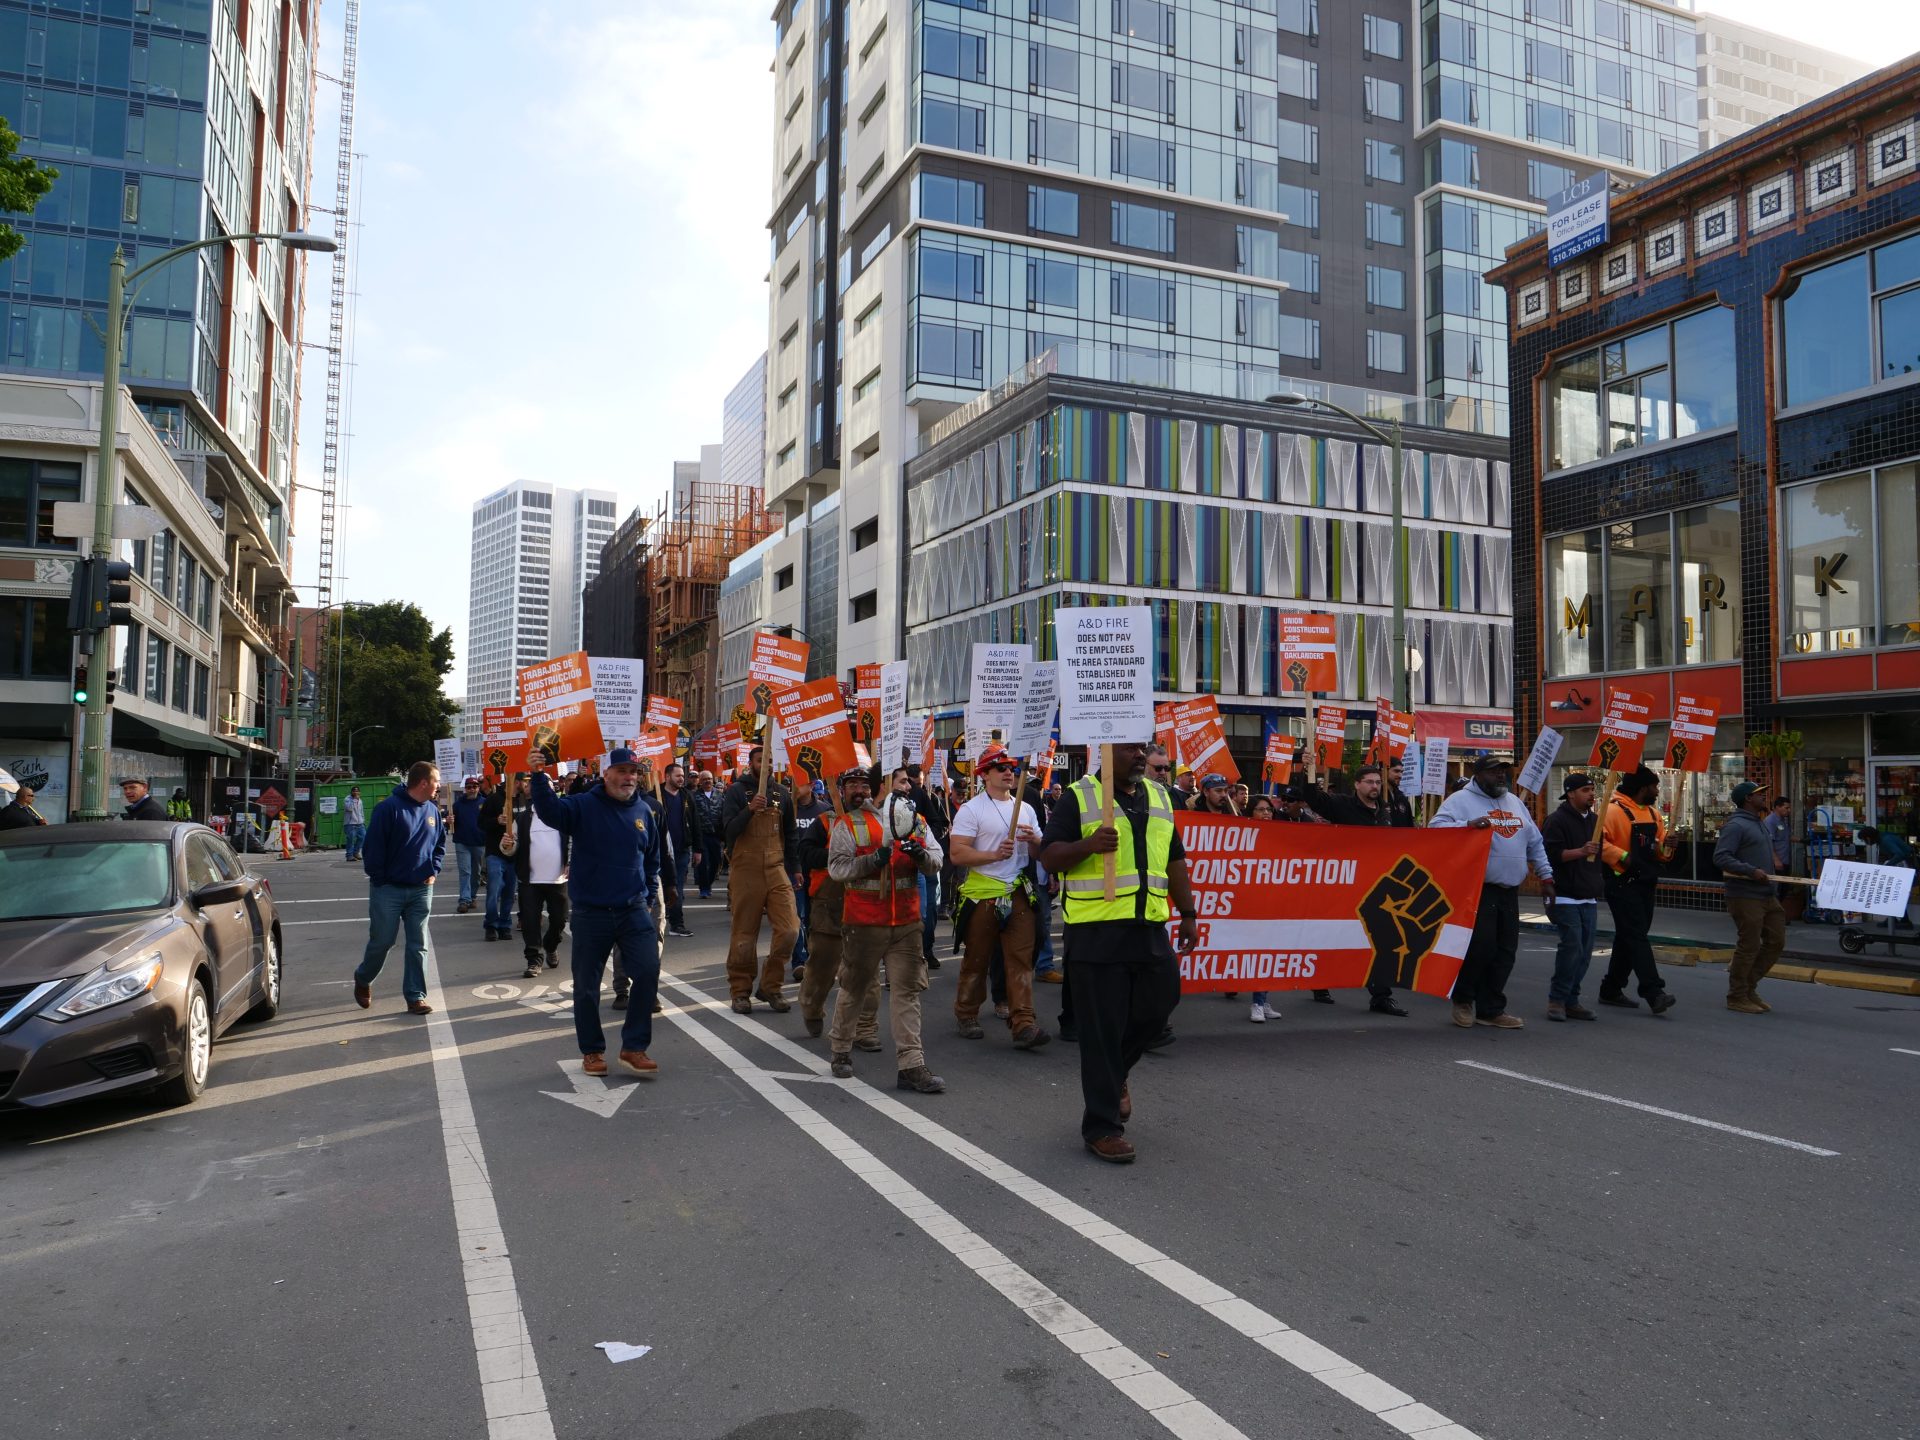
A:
560,256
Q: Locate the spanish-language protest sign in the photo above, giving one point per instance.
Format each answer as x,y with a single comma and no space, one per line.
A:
1330,735
1203,739
1277,769
556,700
1327,907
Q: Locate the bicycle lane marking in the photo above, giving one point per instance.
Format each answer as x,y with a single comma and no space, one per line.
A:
514,1399
1335,1371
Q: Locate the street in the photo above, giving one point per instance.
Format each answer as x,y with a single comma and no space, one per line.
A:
1340,1224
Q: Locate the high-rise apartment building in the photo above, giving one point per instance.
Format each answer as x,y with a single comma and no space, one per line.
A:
743,430
526,589
172,121
1749,76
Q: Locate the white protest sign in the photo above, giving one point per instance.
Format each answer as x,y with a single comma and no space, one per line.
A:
446,759
1039,697
993,700
1533,775
1413,773
618,687
895,736
470,762
1433,776
1868,889
1106,674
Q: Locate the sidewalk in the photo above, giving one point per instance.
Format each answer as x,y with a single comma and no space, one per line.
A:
1819,944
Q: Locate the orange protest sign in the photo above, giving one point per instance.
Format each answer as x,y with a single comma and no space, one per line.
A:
556,700
1203,739
1278,766
813,727
1166,732
1309,659
664,712
1622,741
1402,735
656,744
1324,907
774,664
1330,735
1690,733
866,704
929,749
503,740
1382,732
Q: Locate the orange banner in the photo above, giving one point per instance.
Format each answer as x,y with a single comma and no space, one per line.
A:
503,741
1328,907
1330,735
1690,733
813,727
866,704
775,664
1278,767
1622,741
556,700
1308,657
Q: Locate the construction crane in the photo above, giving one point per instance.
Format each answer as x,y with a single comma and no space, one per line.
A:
337,310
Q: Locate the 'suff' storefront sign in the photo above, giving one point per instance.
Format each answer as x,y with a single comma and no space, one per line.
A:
1328,907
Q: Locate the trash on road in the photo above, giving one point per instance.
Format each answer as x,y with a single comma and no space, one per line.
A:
618,1350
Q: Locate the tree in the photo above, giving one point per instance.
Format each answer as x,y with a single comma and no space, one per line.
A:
22,183
390,666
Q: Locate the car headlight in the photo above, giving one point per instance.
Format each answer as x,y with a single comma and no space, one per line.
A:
106,988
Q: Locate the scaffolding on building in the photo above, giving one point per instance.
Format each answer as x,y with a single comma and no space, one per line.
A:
698,529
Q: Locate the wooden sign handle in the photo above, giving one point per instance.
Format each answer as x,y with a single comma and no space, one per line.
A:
766,757
1106,819
1014,824
1606,799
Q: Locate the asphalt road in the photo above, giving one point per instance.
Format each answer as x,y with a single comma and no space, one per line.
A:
1340,1225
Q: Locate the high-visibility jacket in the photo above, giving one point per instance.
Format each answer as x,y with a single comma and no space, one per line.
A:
890,898
1084,887
1631,839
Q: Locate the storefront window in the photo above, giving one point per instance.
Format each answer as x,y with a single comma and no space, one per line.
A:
1573,588
1833,771
1709,577
1639,593
1829,556
1899,556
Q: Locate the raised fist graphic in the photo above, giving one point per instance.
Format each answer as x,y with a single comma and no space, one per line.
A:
497,762
763,697
1403,913
810,760
546,740
1609,751
1679,752
1297,674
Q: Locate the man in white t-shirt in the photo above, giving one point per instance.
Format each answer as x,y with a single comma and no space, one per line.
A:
540,857
989,840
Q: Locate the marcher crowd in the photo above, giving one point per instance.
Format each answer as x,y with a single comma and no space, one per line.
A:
851,884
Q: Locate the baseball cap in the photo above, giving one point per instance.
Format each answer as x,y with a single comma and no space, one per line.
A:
620,755
1491,762
1575,782
1214,781
1745,791
853,772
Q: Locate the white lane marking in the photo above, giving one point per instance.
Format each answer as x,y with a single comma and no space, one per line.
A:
510,1390
1650,1109
1898,1051
349,920
592,1093
1309,1356
1132,1376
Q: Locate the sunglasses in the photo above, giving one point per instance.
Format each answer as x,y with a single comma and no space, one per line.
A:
1159,769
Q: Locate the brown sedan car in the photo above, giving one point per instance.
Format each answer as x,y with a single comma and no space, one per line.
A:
125,949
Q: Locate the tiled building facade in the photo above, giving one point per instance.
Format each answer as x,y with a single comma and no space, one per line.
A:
1714,477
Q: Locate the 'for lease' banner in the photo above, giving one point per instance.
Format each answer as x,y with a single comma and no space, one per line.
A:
1329,907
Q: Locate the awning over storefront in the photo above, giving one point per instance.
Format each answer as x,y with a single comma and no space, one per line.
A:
1470,730
137,732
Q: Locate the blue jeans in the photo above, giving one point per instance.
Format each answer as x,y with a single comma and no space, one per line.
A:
803,908
472,860
1576,924
356,837
708,868
500,885
387,907
676,914
1042,929
929,911
597,930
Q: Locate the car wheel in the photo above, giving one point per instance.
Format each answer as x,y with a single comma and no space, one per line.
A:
269,1005
1853,942
185,1087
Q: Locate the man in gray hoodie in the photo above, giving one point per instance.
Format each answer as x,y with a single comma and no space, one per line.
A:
1745,856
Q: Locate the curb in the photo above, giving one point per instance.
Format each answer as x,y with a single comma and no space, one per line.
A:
1683,950
1846,979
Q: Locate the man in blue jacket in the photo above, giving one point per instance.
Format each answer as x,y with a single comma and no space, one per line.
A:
405,844
470,846
614,866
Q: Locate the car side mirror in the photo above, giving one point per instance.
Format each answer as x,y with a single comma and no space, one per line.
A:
217,892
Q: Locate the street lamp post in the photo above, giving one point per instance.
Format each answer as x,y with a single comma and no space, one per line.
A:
1391,440
106,480
355,736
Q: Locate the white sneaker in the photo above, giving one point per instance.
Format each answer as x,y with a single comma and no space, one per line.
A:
1272,1014
1259,1015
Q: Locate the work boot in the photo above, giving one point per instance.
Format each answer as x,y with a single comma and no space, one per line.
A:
814,1027
921,1080
1661,1003
1386,1005
1501,1021
1580,1012
594,1064
970,1030
619,999
1754,995
1620,998
868,1043
530,972
1745,1005
773,1001
1463,1016
843,1067
1114,1149
1030,1037
635,1062
1323,997
1556,1011
742,1005
553,960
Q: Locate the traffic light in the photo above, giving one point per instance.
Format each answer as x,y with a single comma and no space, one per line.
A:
111,594
113,684
80,597
80,681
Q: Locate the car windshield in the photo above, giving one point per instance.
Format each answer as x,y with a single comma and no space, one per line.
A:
82,877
